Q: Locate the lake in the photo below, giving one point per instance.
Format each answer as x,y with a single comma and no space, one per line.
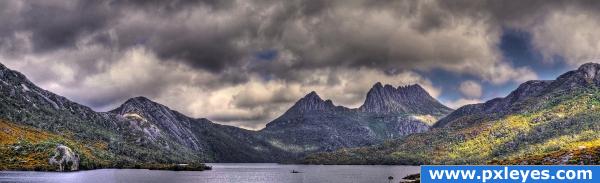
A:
224,173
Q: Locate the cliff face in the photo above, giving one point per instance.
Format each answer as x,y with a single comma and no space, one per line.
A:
412,99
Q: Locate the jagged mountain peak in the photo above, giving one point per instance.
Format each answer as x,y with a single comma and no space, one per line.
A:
314,124
311,102
403,99
412,89
378,85
312,96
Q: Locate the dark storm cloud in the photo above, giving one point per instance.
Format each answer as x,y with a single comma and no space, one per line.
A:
214,46
171,37
160,6
285,41
9,17
213,51
500,12
58,26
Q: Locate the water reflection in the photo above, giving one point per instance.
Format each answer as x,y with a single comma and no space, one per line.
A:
225,173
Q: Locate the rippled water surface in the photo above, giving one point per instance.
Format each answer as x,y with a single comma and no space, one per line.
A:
225,173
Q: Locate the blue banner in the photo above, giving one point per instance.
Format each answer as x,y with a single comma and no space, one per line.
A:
509,173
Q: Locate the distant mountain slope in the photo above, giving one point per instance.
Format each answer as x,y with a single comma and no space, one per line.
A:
213,142
313,124
139,130
171,123
538,119
530,96
23,103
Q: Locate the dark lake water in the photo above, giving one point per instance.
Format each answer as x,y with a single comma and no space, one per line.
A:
224,173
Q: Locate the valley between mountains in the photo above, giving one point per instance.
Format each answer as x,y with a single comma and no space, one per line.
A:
541,122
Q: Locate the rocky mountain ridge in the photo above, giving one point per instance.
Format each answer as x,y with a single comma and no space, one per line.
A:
538,121
403,99
176,125
519,100
214,142
313,124
311,102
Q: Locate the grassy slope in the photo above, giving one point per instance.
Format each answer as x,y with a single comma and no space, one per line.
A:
566,124
26,148
583,155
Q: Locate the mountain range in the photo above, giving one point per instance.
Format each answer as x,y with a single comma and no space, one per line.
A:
143,133
315,125
541,122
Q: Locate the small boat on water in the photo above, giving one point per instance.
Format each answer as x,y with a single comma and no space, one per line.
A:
294,171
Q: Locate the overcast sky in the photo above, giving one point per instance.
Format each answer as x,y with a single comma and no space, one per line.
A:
245,62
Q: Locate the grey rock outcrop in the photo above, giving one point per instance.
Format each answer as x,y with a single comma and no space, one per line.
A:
65,159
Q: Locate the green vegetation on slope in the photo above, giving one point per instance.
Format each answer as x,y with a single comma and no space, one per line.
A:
27,148
583,155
